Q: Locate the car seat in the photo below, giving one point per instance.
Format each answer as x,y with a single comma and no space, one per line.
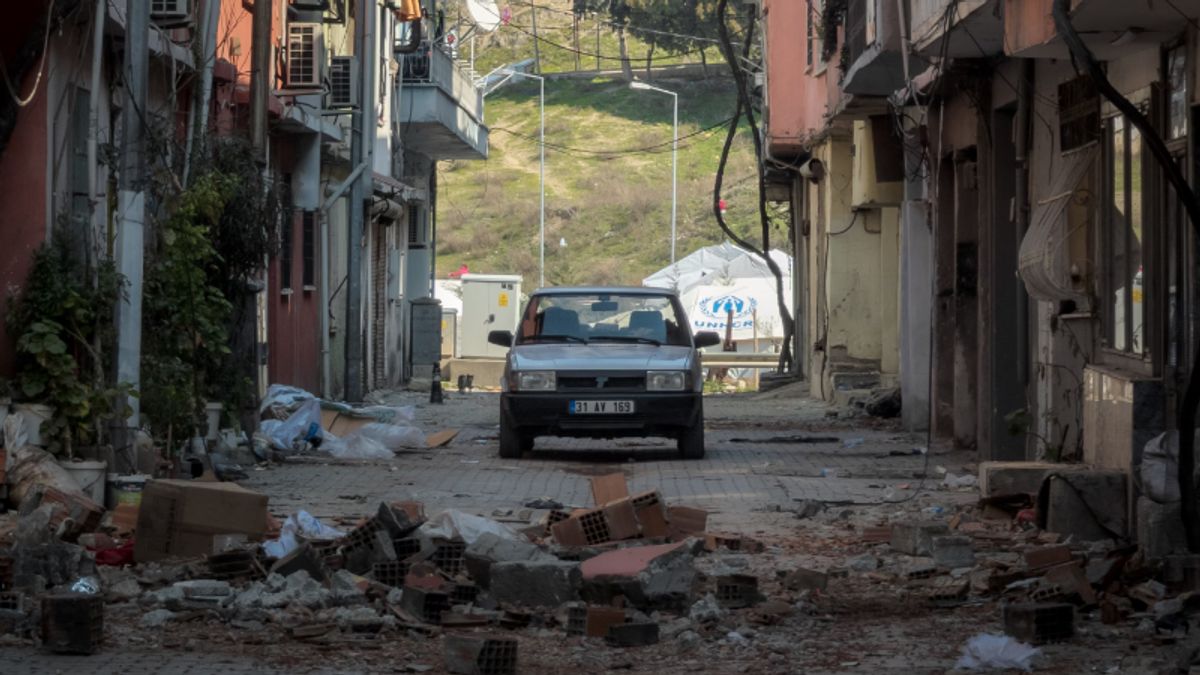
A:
648,324
559,321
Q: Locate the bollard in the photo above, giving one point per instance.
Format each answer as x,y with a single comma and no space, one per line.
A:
435,388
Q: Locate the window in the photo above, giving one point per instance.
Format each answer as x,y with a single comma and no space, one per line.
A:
808,54
1123,239
286,225
308,247
816,41
1177,93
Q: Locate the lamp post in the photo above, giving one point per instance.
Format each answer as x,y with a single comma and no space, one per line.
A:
674,152
514,75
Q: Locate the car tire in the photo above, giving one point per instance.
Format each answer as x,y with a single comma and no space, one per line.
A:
691,441
512,444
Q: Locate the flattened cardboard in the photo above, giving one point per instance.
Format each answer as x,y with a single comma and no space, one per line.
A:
180,518
340,424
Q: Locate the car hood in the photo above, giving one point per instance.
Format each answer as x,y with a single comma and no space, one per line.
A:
600,356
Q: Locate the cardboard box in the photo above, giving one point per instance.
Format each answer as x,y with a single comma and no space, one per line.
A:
180,518
339,424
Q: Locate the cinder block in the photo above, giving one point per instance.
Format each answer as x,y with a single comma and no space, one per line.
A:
685,521
953,551
305,558
735,591
1011,478
480,654
599,620
398,521
1039,623
424,604
916,538
1088,504
72,623
1073,582
633,634
1160,530
569,532
609,488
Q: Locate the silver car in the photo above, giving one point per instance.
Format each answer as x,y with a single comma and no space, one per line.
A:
602,363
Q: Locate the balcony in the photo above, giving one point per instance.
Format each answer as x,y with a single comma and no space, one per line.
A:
873,47
441,108
1110,29
960,29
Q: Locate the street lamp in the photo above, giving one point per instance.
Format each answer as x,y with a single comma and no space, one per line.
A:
674,152
541,169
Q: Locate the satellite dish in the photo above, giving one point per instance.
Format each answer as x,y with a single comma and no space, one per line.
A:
485,14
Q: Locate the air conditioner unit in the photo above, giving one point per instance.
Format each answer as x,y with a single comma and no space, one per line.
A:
170,13
343,76
304,55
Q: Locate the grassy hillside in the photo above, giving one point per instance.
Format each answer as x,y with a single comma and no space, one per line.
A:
608,176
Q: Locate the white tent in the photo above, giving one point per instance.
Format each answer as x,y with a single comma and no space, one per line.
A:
717,281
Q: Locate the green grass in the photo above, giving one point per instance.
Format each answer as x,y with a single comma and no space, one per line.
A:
613,211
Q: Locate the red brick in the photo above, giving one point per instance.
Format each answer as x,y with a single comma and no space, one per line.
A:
609,488
685,521
651,514
622,520
1047,556
624,562
569,532
599,619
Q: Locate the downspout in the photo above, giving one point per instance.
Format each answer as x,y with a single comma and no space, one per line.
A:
101,15
1021,194
196,135
325,300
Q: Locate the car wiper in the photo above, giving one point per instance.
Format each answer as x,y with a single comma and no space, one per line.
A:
562,338
629,338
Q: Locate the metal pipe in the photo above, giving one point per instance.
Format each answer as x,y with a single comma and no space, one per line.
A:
361,152
101,16
197,135
1021,198
260,73
542,181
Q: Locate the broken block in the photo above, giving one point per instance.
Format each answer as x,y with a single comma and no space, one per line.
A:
633,634
621,519
651,514
72,623
593,621
1047,556
491,548
660,575
1039,623
1012,478
480,654
916,538
735,591
805,580
953,551
685,521
1181,573
1088,504
447,556
304,557
425,605
609,488
529,583
1073,582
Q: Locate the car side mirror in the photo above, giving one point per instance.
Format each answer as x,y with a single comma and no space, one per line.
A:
706,339
502,338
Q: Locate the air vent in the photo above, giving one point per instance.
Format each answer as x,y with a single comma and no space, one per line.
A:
304,56
342,71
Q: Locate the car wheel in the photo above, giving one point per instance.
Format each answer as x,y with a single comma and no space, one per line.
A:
691,442
511,442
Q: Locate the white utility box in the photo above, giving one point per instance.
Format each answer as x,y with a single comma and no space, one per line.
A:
490,302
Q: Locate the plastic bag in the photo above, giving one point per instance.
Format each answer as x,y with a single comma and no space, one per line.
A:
285,397
1159,470
355,446
15,433
391,436
88,585
284,434
996,652
466,527
304,525
388,414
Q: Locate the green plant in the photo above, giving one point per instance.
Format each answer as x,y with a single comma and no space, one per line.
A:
186,316
63,328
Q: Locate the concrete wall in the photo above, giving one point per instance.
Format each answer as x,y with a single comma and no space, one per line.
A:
798,96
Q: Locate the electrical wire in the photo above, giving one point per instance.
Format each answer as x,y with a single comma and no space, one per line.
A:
8,83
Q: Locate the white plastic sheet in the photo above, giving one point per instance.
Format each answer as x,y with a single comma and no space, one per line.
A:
466,527
996,652
284,396
284,434
302,525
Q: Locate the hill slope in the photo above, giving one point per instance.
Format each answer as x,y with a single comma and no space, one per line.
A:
608,179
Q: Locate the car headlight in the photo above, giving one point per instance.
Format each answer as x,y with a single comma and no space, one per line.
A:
666,380
535,380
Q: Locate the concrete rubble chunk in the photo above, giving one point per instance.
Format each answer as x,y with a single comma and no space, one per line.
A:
204,588
916,538
1160,530
490,548
299,589
953,551
157,618
480,654
305,558
707,610
1011,478
804,579
1088,505
345,590
863,563
535,583
647,576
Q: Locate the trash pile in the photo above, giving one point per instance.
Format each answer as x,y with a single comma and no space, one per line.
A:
294,422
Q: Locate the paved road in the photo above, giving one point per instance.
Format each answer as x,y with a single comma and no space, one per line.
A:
745,470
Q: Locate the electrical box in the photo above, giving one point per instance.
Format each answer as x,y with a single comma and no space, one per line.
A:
490,302
449,333
426,342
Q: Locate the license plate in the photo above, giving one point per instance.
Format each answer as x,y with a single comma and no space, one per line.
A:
601,407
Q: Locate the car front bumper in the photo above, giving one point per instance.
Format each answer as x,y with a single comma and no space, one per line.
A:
654,414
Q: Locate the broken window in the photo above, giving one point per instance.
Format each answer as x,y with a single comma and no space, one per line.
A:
1123,239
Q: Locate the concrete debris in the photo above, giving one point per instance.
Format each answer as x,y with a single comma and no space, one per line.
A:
916,538
156,618
541,583
707,610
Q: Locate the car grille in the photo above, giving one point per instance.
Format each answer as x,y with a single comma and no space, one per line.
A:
606,383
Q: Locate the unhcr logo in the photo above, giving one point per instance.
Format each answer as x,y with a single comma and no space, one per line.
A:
721,306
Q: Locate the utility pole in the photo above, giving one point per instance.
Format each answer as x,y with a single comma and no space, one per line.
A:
260,77
362,142
537,52
575,35
131,207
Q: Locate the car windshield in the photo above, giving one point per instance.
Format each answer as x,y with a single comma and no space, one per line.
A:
603,317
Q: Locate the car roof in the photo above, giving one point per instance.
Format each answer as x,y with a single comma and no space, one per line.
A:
601,290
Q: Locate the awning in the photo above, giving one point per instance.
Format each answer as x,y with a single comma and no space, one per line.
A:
1043,261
